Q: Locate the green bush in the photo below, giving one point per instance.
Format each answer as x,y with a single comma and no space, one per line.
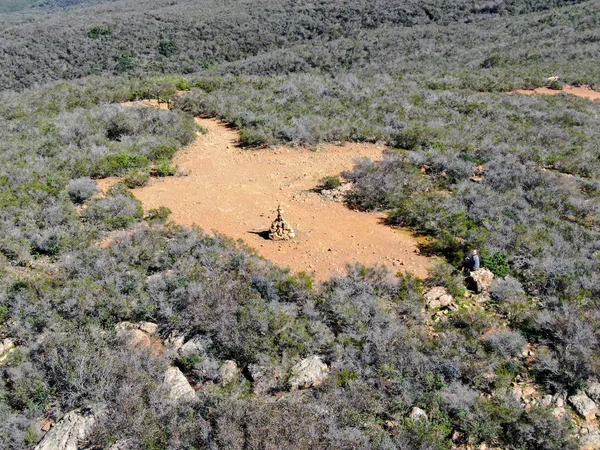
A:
99,30
3,314
330,182
119,164
158,215
164,168
162,152
167,48
497,263
136,179
118,209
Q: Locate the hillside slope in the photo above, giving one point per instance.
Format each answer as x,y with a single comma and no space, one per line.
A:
159,36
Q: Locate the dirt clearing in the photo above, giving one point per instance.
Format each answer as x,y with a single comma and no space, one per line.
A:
236,192
581,91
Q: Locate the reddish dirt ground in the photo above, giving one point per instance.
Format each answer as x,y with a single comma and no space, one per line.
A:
581,91
236,192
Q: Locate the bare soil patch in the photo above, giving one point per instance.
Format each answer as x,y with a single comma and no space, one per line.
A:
236,192
580,91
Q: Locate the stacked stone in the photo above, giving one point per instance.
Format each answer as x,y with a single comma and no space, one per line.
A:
280,230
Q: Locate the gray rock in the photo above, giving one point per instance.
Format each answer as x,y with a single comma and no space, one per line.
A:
417,413
480,280
123,444
482,298
593,391
438,297
178,385
546,400
175,342
6,347
194,346
584,406
229,372
308,372
590,441
70,432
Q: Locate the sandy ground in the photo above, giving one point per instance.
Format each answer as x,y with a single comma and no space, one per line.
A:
582,91
236,191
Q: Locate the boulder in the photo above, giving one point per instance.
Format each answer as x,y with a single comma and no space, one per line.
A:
590,441
438,297
6,347
123,444
593,391
229,372
584,406
148,327
70,432
256,372
175,342
308,372
480,280
178,385
417,413
546,400
194,346
141,334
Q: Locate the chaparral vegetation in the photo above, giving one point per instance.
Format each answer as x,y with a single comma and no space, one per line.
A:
100,299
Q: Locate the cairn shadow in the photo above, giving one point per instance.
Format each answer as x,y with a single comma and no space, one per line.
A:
262,234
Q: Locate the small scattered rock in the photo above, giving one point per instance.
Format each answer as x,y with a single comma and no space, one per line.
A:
528,391
438,297
584,406
229,372
417,413
337,194
391,424
178,385
308,372
517,392
46,424
482,298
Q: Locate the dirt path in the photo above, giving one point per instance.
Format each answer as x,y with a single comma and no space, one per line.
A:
236,192
581,91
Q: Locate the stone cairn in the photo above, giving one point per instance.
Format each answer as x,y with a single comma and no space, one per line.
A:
280,230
